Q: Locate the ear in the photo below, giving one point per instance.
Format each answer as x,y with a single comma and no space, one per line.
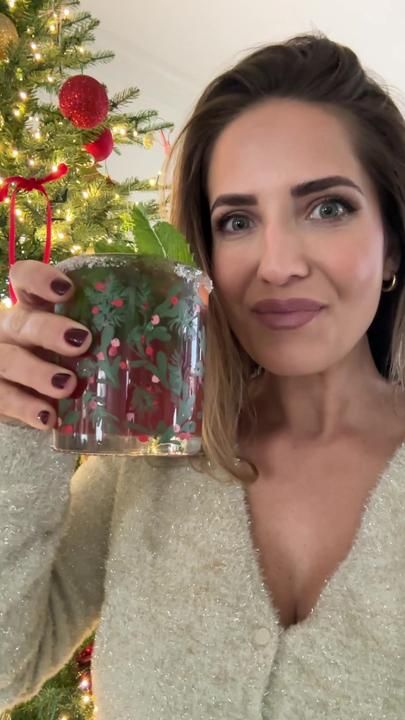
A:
392,256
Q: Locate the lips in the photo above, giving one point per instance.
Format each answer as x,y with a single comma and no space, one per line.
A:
290,305
287,320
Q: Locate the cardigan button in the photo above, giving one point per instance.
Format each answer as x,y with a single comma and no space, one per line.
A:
261,636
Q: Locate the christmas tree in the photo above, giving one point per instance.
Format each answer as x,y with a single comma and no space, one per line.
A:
58,123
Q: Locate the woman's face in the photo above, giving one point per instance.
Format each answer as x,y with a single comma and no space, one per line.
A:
273,240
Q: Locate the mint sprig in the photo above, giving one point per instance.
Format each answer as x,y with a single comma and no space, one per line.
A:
161,239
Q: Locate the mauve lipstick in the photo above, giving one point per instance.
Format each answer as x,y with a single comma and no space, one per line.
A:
286,314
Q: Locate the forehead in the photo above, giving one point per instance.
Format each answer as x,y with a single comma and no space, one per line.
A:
282,142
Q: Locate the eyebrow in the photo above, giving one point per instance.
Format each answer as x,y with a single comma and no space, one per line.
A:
297,191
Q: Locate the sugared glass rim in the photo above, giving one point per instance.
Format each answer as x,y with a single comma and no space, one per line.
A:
187,272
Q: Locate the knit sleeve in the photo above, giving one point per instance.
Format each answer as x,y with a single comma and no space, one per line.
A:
54,538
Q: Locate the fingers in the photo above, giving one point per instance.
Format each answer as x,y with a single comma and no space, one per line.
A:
20,405
36,282
17,365
36,328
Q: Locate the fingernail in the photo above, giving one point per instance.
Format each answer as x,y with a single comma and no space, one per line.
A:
60,380
75,336
60,287
43,417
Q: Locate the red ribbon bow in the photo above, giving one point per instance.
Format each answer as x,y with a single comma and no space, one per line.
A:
28,184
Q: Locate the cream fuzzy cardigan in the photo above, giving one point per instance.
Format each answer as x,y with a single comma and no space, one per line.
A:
160,560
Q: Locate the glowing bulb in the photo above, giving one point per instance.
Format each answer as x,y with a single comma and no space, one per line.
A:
123,132
19,213
81,50
50,79
34,46
11,4
152,182
52,28
23,95
66,12
38,57
61,235
69,216
109,241
135,133
54,168
15,153
85,194
86,699
7,302
37,135
31,162
16,112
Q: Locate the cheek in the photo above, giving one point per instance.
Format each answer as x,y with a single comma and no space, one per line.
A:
356,268
230,271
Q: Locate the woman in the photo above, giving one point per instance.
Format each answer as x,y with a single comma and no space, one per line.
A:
272,587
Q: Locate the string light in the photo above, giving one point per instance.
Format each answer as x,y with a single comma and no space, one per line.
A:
85,194
31,162
7,302
23,95
66,12
50,79
11,4
38,56
52,28
135,133
34,46
16,112
81,50
37,135
15,153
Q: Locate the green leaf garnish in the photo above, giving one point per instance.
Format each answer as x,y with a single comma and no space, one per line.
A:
161,239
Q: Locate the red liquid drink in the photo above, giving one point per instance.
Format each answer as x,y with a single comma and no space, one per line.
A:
140,384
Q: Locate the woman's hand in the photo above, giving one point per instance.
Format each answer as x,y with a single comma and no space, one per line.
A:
29,330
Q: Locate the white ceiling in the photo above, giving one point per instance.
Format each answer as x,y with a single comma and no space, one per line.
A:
171,49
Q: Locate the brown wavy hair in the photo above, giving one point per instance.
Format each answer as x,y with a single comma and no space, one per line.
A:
315,69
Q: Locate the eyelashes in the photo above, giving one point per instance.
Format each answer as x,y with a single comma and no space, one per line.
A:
220,224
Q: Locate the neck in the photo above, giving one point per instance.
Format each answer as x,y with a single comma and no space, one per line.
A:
344,398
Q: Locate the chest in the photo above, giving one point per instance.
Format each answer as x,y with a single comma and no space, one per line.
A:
304,530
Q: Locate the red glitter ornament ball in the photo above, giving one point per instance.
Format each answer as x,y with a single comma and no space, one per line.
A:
84,101
102,147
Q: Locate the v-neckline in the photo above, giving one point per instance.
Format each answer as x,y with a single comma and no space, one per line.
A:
368,508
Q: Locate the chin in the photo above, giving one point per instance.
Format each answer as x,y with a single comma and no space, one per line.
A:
298,367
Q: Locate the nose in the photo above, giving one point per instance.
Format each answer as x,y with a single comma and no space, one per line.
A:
282,254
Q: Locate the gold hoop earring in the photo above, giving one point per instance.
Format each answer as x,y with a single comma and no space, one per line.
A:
392,284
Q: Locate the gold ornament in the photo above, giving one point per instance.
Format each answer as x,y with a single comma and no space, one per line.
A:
8,35
148,140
